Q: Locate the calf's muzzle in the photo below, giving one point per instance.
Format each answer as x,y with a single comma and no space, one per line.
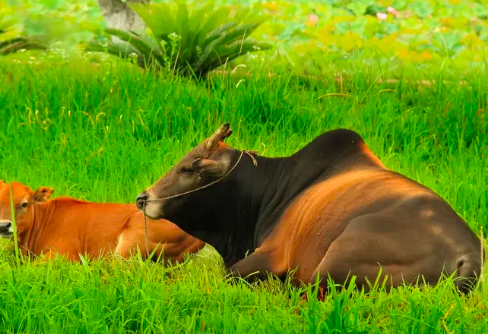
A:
5,227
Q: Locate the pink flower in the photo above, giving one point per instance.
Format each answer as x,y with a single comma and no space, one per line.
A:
392,11
381,16
312,20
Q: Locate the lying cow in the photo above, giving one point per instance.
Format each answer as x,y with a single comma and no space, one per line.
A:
71,227
332,208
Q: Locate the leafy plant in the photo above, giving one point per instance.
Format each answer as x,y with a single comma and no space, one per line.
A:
10,44
187,41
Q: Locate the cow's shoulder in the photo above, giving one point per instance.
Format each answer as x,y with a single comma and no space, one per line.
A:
66,203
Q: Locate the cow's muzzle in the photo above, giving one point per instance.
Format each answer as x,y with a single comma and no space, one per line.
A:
6,229
141,200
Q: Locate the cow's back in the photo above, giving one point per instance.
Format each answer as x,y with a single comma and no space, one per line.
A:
86,227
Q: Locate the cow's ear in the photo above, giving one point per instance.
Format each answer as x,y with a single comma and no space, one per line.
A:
208,167
42,194
2,183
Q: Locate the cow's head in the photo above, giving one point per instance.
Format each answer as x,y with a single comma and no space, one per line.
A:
23,203
205,163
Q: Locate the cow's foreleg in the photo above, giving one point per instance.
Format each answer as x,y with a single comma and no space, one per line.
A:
256,266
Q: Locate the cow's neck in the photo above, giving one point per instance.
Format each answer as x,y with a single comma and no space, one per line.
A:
43,216
264,191
249,193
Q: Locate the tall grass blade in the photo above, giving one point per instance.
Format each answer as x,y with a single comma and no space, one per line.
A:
14,226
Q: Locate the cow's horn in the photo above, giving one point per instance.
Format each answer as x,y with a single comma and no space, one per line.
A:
222,132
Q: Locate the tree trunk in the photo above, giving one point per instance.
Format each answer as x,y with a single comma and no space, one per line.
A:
119,15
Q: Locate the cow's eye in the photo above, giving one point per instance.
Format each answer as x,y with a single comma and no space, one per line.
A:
24,205
187,171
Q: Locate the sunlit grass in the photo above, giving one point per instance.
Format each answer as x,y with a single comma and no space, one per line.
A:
104,133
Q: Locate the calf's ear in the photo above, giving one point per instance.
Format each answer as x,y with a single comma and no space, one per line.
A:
2,183
42,194
208,167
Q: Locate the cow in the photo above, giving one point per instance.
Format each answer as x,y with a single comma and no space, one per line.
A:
330,211
70,227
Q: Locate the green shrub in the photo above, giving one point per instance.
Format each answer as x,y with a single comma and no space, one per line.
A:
182,40
10,44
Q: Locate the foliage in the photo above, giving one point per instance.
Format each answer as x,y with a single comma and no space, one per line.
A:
187,41
317,36
419,34
11,42
56,20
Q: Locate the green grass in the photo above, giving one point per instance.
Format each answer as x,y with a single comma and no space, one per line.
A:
104,133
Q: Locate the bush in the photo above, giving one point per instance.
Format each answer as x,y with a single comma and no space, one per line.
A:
10,44
182,40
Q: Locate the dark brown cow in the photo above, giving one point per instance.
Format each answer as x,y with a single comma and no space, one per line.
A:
332,208
71,227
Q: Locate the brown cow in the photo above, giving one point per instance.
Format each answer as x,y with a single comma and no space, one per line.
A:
71,227
332,208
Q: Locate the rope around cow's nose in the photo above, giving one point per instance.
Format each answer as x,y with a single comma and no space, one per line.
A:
248,153
145,229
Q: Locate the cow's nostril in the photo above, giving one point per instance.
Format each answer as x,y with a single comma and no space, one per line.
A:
141,199
5,227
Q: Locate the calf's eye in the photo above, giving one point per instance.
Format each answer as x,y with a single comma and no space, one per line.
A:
24,205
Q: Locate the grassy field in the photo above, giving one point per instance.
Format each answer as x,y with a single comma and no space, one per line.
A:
103,130
103,133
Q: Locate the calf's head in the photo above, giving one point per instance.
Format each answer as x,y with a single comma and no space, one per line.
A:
207,162
23,206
